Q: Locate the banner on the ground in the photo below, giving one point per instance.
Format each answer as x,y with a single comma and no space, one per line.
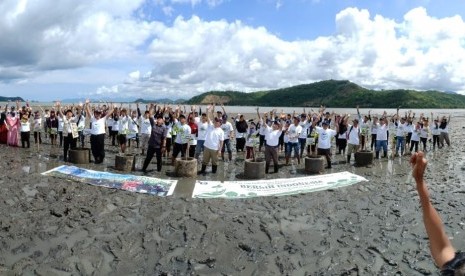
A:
133,183
273,187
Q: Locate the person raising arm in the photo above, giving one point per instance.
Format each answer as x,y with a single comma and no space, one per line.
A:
444,255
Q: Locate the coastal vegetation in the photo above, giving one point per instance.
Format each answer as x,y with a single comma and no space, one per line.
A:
335,93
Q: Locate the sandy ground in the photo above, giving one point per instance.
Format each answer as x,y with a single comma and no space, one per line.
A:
53,227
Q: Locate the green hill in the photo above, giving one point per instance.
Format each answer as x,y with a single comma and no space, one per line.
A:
13,99
334,93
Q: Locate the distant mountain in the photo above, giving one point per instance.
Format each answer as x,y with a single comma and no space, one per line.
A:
163,101
96,100
334,93
13,99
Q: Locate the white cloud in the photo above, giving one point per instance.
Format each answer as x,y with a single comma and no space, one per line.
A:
77,43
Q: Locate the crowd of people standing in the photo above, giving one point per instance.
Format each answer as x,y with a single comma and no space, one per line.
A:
163,130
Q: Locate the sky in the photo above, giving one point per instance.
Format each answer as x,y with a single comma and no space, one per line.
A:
152,49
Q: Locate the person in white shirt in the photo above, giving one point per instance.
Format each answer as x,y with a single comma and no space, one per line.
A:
214,138
435,131
382,136
228,130
444,131
415,140
272,143
134,126
294,132
304,124
353,139
81,124
37,127
70,133
123,129
401,132
373,130
183,136
202,127
365,125
145,131
60,130
424,133
97,137
25,129
251,140
325,135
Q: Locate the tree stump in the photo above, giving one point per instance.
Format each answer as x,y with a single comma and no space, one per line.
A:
254,169
125,162
363,158
314,164
185,167
79,156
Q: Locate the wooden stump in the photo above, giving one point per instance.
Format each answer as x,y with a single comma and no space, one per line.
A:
125,162
254,169
79,156
185,167
363,158
314,164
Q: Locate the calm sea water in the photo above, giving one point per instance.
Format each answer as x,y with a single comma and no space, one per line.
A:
251,110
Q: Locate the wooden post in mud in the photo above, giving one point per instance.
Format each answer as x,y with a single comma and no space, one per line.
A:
363,158
314,164
254,169
79,156
125,162
185,167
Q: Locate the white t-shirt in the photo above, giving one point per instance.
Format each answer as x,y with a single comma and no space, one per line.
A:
123,125
110,122
213,137
82,122
294,133
374,128
227,129
133,128
272,136
381,132
353,133
25,126
435,129
365,128
324,137
415,135
60,124
401,129
251,137
183,133
145,126
304,125
202,130
98,126
424,131
38,124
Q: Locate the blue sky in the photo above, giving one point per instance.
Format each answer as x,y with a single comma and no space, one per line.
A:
153,49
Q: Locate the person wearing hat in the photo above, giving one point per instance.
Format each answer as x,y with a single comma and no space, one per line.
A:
97,134
214,138
325,134
272,144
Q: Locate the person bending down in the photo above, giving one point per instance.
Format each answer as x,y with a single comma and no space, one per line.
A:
444,254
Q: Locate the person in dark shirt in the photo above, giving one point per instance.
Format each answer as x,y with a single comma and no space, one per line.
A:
157,140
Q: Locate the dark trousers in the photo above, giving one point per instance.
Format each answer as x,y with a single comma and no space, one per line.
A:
373,141
327,154
60,133
151,151
262,142
37,137
240,144
68,142
137,140
81,138
25,137
113,137
97,146
414,144
271,153
179,148
435,141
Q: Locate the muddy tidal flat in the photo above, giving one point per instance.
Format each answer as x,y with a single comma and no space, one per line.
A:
49,226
